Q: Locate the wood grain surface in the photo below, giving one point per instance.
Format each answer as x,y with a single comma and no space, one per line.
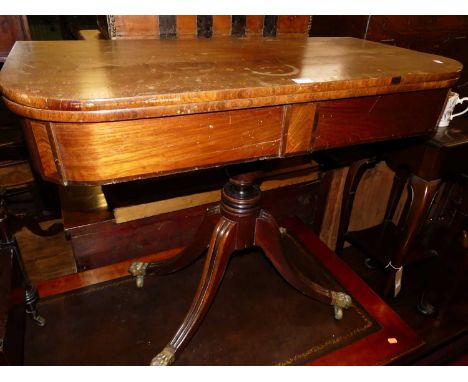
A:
105,152
129,26
186,27
41,149
254,25
298,25
109,152
125,110
12,29
114,80
222,25
299,125
369,119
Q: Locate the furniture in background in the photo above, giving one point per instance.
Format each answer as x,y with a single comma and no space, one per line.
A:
454,251
422,168
13,154
22,204
446,232
16,212
443,35
12,29
12,313
12,159
189,27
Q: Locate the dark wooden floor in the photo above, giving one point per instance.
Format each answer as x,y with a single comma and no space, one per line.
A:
446,341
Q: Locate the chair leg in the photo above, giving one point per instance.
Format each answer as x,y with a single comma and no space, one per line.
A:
267,236
399,181
421,194
459,222
36,229
221,247
8,241
184,258
355,173
31,295
423,305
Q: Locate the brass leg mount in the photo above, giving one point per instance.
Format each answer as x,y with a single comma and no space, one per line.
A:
165,358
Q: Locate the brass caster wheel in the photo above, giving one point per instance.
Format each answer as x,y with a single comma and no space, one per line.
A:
138,270
340,301
338,312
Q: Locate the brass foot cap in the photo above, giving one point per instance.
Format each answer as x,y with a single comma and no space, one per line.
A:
138,269
165,358
340,301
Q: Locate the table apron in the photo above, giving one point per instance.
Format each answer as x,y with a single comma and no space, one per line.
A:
109,152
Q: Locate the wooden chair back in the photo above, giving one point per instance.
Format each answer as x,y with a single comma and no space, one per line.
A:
164,27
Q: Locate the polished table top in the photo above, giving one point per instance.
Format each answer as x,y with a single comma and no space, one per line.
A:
99,112
149,76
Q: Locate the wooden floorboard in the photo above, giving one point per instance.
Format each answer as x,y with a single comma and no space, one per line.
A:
46,258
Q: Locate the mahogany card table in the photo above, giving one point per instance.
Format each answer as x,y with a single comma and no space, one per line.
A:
100,112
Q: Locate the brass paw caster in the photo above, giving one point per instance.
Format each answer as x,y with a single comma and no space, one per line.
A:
138,269
340,301
165,358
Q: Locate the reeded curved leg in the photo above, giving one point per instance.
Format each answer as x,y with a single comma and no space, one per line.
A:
267,236
222,245
355,173
184,258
